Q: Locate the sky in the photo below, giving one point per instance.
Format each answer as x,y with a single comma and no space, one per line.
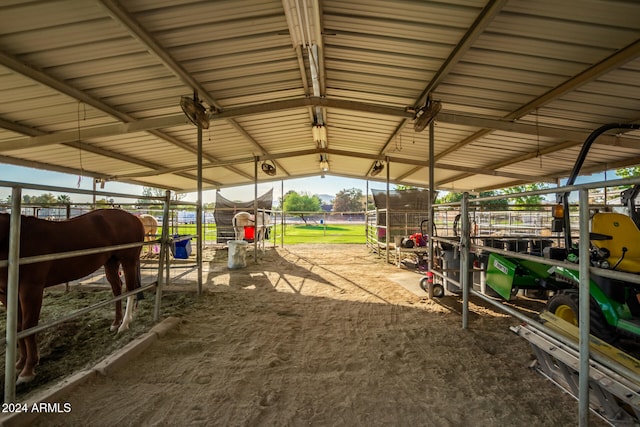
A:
314,185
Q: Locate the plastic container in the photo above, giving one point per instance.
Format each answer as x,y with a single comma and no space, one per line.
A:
237,254
181,249
249,232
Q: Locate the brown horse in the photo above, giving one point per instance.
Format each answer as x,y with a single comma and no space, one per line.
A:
100,228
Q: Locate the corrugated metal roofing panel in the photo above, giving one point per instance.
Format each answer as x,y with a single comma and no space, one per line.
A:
78,66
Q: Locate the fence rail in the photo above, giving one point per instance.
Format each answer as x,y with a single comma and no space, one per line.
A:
13,262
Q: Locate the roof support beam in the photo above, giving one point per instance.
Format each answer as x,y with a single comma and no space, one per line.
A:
488,14
118,13
125,18
485,17
71,171
180,119
40,140
611,62
398,160
68,136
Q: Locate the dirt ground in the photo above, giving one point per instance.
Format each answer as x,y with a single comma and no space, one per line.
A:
319,335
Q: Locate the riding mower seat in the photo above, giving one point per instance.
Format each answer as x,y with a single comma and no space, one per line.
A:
620,236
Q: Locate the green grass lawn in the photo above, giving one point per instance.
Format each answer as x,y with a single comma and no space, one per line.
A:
341,233
298,233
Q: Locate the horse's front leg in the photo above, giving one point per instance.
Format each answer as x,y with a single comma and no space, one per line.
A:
111,271
22,356
30,305
22,347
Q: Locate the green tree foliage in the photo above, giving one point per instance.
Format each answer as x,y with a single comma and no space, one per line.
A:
348,200
490,204
628,172
449,197
104,203
159,194
43,199
526,200
151,192
501,203
405,187
299,204
64,198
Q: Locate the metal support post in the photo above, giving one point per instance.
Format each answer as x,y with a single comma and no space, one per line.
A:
13,259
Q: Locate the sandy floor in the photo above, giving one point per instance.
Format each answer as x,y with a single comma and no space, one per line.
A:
318,335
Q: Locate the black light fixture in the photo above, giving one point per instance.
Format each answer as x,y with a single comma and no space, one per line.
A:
268,168
378,167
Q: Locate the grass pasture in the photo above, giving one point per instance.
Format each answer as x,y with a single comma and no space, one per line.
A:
294,233
321,233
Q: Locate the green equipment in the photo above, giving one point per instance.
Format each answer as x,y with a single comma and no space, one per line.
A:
614,245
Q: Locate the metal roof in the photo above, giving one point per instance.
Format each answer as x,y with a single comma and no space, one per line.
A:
94,88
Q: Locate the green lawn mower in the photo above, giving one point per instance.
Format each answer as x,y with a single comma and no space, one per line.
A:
614,245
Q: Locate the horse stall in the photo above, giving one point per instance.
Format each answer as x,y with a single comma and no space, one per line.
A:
238,224
86,253
263,340
226,209
408,215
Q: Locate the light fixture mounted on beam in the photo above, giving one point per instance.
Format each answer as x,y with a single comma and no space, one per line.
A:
378,167
324,163
319,135
426,114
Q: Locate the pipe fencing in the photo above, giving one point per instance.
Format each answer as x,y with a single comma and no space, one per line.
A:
585,269
13,263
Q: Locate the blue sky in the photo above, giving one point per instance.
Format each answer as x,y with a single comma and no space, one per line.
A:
314,185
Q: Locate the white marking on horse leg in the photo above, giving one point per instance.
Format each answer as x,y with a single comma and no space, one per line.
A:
25,379
128,314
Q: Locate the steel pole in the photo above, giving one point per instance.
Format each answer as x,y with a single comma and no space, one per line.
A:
464,259
255,209
387,231
12,296
199,233
432,192
164,250
584,299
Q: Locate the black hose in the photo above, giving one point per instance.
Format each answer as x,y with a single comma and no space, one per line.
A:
564,197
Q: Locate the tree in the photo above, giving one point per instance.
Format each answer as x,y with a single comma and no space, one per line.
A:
348,200
450,197
402,187
299,204
104,203
43,199
526,200
628,172
64,198
489,204
158,193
